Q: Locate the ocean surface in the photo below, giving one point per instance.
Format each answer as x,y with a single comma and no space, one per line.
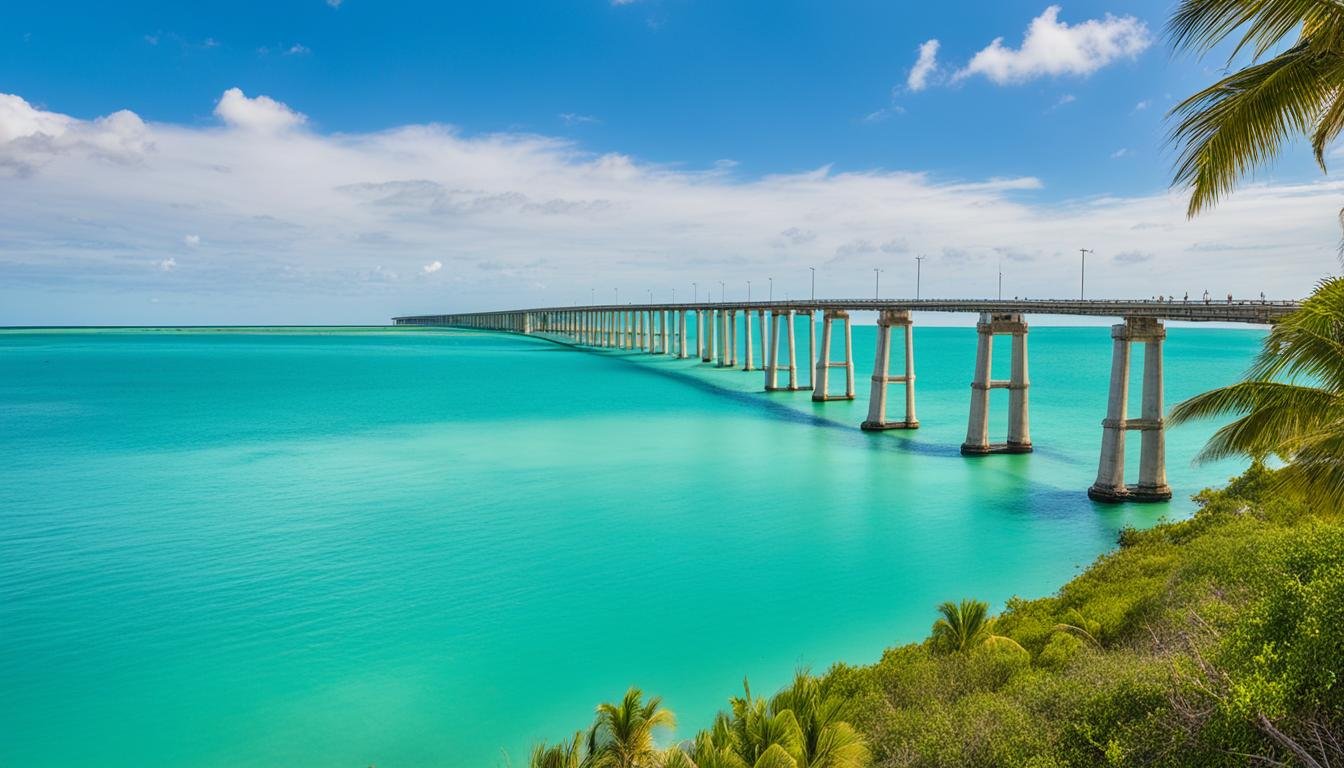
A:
348,547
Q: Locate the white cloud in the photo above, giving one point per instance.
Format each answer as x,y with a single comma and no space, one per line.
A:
432,267
309,227
925,66
1052,48
1119,153
1142,105
574,118
258,114
191,241
334,3
297,49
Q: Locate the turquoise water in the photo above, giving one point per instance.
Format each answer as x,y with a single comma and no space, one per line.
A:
414,548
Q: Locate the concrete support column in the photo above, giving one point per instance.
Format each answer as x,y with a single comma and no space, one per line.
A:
1152,486
977,423
720,337
1153,447
882,378
771,352
681,336
811,348
760,322
750,363
1110,484
793,355
706,338
820,392
1019,419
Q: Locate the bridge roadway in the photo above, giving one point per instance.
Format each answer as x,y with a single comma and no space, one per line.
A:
664,329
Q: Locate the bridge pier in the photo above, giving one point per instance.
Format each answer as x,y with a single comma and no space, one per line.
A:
824,363
749,364
772,367
1110,485
681,334
882,378
977,428
706,336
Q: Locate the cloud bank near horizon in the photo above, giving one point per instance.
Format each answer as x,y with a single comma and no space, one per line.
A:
423,218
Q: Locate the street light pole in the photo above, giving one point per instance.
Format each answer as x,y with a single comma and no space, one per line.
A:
1000,279
723,291
772,289
877,283
748,290
814,283
696,288
1082,272
919,263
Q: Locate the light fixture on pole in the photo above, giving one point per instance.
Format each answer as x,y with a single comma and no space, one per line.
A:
1082,272
814,283
919,262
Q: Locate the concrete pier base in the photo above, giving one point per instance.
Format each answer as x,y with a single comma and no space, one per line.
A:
749,364
1110,486
778,317
977,425
882,378
820,392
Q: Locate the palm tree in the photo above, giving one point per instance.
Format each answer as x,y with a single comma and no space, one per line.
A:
1241,122
563,755
962,626
1301,423
622,735
966,626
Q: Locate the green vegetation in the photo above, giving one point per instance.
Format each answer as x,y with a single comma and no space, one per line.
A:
1302,424
1290,88
1215,641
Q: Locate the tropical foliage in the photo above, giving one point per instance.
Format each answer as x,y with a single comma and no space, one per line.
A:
1289,87
1214,641
1291,404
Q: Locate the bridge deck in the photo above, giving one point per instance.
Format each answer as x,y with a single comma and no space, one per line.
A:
1256,312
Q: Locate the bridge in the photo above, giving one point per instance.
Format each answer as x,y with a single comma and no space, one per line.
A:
719,331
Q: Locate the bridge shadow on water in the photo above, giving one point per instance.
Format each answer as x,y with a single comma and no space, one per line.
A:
1027,498
763,403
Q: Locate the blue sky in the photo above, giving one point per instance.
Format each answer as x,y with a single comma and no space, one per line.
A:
576,142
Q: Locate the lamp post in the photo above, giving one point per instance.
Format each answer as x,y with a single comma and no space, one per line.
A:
814,283
1082,272
877,283
772,289
748,290
919,262
592,296
695,287
650,295
1000,279
723,291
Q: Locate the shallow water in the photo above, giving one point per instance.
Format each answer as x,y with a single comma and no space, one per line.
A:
427,547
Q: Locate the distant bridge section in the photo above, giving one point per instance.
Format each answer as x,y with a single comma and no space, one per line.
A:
716,332
1197,310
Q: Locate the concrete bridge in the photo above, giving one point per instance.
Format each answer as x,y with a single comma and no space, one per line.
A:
662,329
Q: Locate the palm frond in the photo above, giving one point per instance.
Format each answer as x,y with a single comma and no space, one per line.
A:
1200,25
1241,122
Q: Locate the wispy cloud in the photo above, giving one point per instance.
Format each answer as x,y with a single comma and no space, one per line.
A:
289,211
432,267
1119,153
574,118
925,66
1052,48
